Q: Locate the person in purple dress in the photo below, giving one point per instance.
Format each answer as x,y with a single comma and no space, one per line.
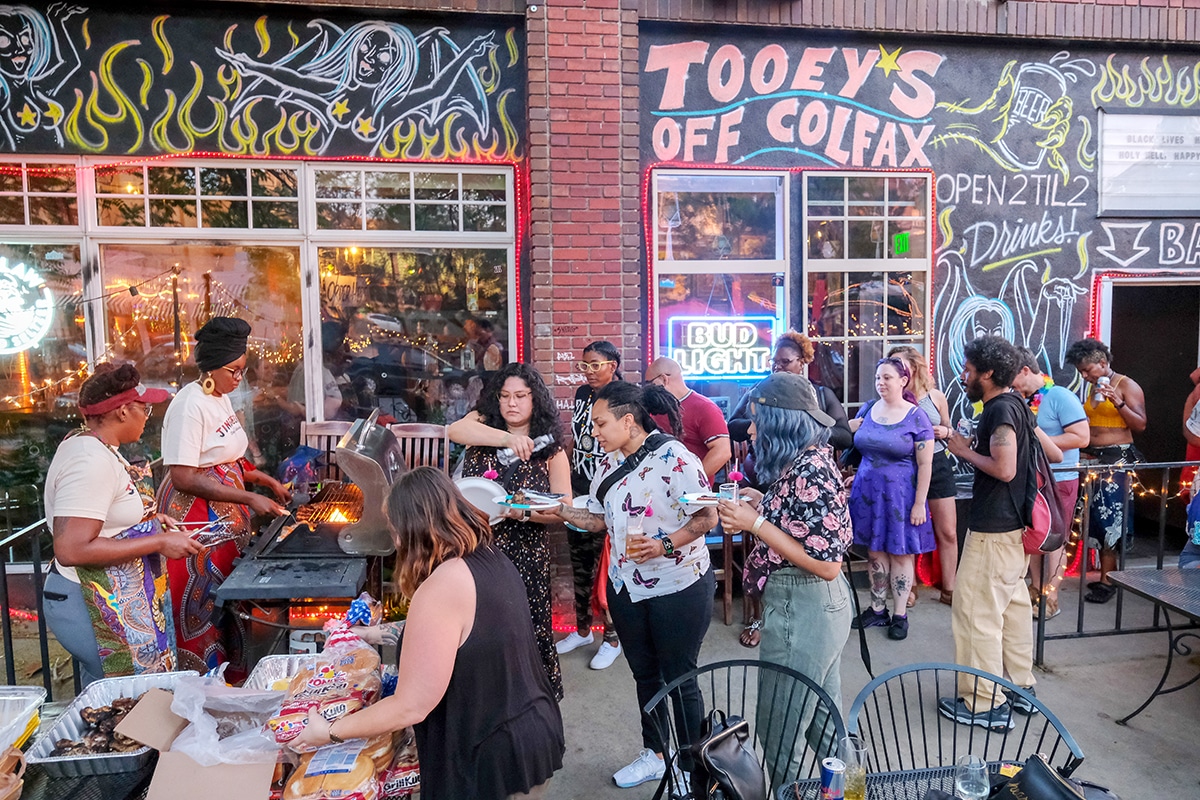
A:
888,498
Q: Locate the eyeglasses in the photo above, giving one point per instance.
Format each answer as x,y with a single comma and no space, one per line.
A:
591,366
236,373
147,409
505,397
782,364
660,379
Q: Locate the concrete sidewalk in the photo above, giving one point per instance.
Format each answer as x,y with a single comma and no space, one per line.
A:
1088,683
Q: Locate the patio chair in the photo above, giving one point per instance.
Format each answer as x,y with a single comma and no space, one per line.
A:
897,716
324,436
423,445
787,699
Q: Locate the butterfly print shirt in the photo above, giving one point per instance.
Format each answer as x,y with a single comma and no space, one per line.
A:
656,485
807,502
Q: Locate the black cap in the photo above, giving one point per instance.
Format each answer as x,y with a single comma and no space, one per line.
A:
794,392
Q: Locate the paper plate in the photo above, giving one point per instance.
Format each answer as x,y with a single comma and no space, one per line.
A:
502,500
578,502
700,499
479,493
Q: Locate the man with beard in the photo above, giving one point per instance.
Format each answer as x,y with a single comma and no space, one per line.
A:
992,612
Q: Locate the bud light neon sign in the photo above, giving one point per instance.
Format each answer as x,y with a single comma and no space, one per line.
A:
26,308
728,348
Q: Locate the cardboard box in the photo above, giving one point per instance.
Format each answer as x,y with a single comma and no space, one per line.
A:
178,777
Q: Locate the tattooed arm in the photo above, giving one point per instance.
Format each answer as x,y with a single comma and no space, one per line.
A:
579,517
1001,464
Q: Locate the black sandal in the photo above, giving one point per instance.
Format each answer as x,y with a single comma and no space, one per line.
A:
1101,593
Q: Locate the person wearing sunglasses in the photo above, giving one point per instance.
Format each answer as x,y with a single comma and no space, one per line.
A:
600,366
204,448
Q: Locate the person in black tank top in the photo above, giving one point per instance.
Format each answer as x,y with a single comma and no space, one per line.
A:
471,680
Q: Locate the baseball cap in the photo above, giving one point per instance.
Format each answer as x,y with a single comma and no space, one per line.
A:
794,392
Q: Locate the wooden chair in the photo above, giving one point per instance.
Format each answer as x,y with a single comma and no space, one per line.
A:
423,445
896,715
324,436
726,570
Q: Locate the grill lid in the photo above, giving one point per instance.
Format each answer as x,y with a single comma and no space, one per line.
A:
369,456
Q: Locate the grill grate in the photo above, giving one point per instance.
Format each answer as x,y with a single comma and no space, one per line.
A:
342,499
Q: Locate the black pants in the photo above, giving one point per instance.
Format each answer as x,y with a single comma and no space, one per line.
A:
661,637
585,557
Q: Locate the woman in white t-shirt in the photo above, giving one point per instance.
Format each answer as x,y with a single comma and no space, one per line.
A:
204,448
105,597
660,581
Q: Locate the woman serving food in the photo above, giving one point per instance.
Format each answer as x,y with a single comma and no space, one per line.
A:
204,448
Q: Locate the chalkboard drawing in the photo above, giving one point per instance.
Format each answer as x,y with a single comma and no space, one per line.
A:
1162,84
369,79
37,56
1027,119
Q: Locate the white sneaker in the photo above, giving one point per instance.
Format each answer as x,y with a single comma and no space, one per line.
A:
573,641
605,656
646,767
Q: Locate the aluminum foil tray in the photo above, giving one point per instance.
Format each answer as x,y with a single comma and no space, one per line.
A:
71,726
276,668
18,705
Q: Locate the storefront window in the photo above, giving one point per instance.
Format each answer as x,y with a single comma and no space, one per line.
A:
415,329
867,268
156,296
43,355
713,217
39,194
402,200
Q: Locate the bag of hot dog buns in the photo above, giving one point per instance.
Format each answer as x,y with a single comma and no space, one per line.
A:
347,771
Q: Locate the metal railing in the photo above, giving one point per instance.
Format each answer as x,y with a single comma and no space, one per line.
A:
1091,476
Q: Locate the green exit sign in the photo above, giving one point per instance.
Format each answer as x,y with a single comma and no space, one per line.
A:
900,243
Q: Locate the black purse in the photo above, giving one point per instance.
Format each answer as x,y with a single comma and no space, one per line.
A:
851,457
725,766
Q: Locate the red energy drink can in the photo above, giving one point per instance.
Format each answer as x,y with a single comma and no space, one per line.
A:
833,779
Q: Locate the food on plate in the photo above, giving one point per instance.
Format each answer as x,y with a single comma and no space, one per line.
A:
100,736
518,498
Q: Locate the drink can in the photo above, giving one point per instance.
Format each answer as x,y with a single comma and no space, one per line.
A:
833,779
966,428
1105,381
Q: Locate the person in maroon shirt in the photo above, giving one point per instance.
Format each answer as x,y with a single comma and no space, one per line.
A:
705,433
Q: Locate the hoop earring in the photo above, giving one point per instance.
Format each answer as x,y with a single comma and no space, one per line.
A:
207,384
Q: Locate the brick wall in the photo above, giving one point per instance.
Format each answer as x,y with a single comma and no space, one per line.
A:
585,232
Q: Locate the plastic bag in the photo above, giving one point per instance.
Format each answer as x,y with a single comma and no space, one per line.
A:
301,467
347,771
227,724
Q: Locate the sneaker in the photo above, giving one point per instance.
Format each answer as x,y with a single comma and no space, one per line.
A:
646,767
683,781
573,641
898,629
1020,704
870,618
605,656
996,719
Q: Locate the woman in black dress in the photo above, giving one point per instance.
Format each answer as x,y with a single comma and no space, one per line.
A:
514,409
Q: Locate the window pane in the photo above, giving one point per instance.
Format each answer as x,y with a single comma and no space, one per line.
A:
865,190
172,180
258,284
11,181
339,216
865,238
389,216
485,218
42,357
274,182
119,181
827,304
861,359
421,328
331,183
276,215
826,189
435,185
436,218
222,182
825,238
224,213
865,303
116,211
54,179
714,226
388,185
906,304
906,238
12,210
477,186
173,213
49,210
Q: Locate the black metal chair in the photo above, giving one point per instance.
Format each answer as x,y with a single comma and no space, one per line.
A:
784,709
897,716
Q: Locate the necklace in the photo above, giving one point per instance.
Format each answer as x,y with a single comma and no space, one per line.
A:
1035,402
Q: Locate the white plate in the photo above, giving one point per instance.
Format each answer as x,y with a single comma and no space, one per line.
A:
700,499
578,502
479,493
502,500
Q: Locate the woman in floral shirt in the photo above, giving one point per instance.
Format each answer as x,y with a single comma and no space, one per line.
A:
802,530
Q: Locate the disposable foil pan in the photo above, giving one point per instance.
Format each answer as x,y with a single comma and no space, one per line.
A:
71,726
18,705
270,669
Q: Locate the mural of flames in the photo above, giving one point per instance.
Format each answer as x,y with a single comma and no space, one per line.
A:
222,117
1152,83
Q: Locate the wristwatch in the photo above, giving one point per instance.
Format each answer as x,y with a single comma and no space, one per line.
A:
668,546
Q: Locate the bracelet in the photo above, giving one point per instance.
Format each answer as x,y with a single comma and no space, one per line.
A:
333,737
1121,406
758,523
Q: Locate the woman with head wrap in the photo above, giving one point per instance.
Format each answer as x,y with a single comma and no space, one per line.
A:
204,447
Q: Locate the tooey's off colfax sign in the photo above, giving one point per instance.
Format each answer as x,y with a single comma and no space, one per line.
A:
721,347
865,106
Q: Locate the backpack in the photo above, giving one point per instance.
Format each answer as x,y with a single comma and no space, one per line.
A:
1046,529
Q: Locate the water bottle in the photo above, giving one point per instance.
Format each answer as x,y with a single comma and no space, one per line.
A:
506,455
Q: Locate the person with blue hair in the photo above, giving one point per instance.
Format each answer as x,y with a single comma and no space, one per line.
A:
801,529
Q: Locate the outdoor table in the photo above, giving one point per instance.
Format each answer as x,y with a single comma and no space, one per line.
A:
1173,589
119,786
907,785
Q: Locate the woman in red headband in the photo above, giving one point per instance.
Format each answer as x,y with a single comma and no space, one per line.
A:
106,595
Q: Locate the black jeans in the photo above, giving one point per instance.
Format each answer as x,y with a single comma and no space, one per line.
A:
662,637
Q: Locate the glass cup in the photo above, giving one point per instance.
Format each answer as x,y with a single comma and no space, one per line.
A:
635,527
971,779
854,753
728,491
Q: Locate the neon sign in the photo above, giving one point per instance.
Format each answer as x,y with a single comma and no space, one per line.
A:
737,348
26,308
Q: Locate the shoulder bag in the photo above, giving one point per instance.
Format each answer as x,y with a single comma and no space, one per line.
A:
1045,528
725,764
652,443
851,457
